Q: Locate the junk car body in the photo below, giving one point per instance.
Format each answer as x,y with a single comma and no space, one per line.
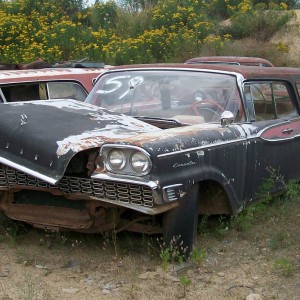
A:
231,60
151,148
47,83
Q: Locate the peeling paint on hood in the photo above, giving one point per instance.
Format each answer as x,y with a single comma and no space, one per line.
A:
42,136
93,138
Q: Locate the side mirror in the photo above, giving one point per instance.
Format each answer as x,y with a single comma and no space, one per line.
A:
227,118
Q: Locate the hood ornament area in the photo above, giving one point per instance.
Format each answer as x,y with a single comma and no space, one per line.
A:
24,119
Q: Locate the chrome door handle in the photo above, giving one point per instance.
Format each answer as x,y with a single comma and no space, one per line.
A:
288,130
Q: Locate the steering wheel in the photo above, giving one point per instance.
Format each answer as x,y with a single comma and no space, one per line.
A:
196,107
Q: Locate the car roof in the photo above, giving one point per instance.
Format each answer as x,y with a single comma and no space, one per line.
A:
248,72
53,74
82,76
242,60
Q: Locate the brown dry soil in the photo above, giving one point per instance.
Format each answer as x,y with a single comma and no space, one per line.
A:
262,259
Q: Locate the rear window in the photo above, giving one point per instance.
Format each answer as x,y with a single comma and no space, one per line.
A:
42,91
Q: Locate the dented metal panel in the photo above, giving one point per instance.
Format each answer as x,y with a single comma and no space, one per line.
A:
41,137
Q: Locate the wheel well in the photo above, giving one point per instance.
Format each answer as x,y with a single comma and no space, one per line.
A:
213,199
83,163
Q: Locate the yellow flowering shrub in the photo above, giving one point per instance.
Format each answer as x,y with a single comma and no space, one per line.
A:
175,29
284,48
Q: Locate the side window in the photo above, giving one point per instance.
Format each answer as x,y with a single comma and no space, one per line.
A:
268,101
21,92
63,90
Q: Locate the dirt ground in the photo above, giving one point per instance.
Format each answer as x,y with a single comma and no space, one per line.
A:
263,259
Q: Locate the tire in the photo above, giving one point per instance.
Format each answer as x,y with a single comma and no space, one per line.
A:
180,225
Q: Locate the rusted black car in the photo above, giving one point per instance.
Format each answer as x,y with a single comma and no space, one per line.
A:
152,147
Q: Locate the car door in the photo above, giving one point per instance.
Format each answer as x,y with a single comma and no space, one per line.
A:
271,144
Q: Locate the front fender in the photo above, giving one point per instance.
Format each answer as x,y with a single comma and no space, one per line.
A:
189,178
222,161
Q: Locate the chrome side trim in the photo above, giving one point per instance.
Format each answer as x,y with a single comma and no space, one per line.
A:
172,186
278,140
28,171
202,147
151,184
103,148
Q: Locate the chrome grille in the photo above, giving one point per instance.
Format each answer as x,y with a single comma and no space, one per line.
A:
102,189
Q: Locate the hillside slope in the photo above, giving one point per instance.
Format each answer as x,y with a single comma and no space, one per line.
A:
290,35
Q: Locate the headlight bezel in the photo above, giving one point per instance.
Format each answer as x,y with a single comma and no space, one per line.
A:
129,152
109,160
147,168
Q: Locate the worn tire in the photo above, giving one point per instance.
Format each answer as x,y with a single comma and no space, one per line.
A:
180,224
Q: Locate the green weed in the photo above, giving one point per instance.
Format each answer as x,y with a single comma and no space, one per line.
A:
174,252
171,254
261,209
203,226
13,228
222,227
185,282
292,191
279,240
284,266
198,256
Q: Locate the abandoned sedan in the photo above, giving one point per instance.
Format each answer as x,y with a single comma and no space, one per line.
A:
151,148
47,83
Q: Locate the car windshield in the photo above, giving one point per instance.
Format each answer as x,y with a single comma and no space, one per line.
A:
185,96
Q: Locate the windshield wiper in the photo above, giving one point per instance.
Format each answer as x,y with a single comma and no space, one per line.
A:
159,119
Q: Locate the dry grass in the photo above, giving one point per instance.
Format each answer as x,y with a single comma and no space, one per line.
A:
263,259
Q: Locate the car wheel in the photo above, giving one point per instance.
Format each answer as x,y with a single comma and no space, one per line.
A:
180,224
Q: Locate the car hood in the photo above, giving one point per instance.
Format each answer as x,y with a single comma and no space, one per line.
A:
41,137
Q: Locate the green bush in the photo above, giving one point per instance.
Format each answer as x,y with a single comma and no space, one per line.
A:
258,23
125,32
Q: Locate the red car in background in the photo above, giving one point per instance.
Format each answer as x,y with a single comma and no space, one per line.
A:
231,60
44,83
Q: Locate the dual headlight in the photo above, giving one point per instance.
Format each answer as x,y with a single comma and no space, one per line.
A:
126,160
